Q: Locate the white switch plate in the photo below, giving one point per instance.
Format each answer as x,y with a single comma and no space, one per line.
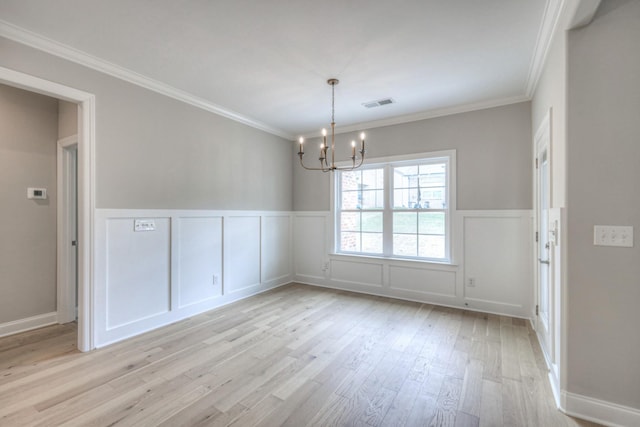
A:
613,235
144,225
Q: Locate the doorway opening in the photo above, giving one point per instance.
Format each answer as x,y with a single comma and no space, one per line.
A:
85,194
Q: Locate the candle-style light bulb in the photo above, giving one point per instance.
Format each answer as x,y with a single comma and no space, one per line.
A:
362,136
353,149
362,144
301,148
324,132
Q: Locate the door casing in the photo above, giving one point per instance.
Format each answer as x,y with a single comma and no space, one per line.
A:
67,229
86,188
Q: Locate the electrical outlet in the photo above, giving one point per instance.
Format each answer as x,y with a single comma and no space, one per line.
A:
215,279
471,282
611,235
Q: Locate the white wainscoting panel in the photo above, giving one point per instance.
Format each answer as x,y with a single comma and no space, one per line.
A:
276,247
199,259
310,250
148,279
497,248
242,252
139,270
493,247
356,272
425,281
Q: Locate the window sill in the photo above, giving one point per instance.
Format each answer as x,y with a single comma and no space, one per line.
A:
440,265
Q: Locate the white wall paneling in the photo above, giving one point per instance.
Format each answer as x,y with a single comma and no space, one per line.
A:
310,233
242,252
492,247
199,274
276,247
497,256
426,281
149,279
138,271
357,272
192,262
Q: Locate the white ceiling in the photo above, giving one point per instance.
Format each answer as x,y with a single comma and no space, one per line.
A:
267,61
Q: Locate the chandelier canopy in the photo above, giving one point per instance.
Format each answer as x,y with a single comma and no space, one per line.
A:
325,166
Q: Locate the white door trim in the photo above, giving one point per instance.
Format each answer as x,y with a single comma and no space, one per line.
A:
66,291
86,188
553,347
543,148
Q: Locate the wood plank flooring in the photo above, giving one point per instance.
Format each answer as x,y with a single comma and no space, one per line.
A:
295,356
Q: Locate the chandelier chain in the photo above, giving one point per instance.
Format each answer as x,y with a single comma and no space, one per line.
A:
333,100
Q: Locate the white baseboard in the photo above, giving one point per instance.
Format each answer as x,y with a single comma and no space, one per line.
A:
23,325
600,411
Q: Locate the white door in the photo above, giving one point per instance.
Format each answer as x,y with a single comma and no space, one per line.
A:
544,288
67,230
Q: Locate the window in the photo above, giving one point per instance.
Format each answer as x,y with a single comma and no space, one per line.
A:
397,208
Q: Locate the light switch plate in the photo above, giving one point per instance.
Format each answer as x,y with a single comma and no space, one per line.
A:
613,235
144,225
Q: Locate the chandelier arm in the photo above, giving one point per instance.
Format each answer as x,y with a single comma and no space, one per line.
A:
350,168
323,169
325,166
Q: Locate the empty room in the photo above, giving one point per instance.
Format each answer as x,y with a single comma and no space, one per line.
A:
302,213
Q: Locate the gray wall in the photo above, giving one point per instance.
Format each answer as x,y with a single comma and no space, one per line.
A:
28,133
551,94
156,152
67,119
603,180
493,156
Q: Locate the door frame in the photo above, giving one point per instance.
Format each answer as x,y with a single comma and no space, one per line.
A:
66,260
556,359
542,144
86,189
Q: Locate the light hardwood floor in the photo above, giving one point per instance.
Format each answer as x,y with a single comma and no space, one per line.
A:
295,356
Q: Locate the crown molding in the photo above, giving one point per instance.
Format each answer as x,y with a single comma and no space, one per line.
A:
37,41
431,114
550,19
583,14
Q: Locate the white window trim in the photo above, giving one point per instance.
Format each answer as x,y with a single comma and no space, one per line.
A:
450,155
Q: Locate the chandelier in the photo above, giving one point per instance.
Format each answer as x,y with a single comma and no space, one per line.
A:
325,166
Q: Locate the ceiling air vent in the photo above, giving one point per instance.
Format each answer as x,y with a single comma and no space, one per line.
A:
379,103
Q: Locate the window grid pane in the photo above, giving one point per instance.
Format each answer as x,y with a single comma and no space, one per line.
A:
361,216
372,243
350,221
417,217
420,187
431,246
350,242
431,223
405,245
371,222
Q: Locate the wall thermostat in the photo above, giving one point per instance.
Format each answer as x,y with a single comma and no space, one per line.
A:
36,193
